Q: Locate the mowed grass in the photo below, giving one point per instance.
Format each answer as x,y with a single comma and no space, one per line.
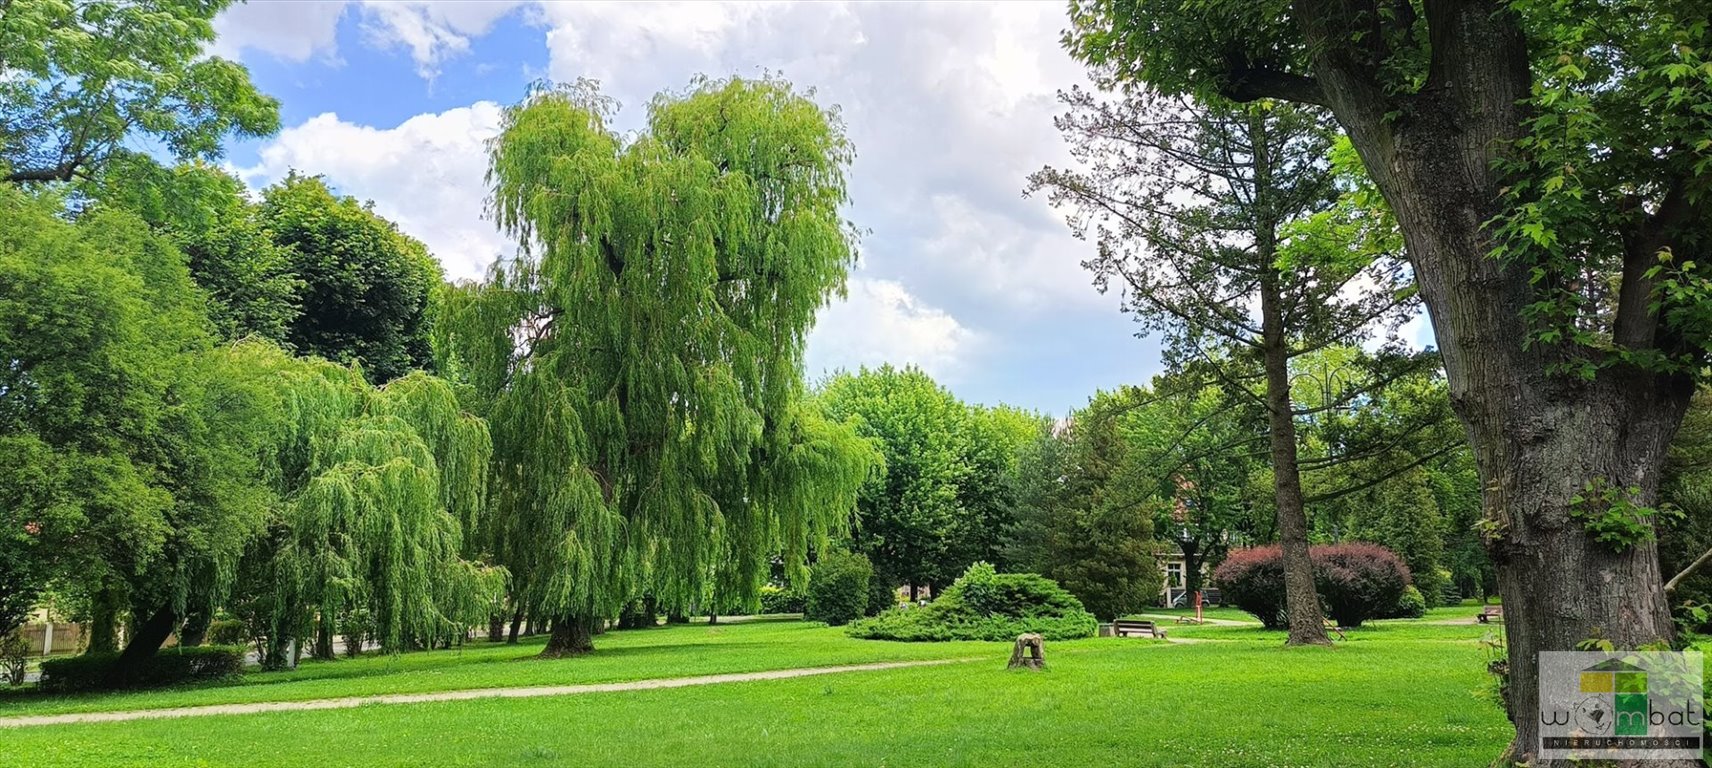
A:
667,651
1394,694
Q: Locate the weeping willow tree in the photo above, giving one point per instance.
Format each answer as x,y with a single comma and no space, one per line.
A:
643,353
378,487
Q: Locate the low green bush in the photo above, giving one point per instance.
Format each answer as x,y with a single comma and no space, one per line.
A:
228,632
776,600
986,605
1412,605
838,588
168,667
14,658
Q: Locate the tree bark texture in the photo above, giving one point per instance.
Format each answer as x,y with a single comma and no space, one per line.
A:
571,636
147,639
1538,437
1301,601
195,629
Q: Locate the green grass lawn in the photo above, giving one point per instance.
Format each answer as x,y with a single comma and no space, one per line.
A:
1396,693
668,651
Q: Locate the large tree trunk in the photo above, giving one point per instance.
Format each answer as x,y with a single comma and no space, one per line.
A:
572,636
516,623
1539,438
1301,601
324,639
147,639
496,628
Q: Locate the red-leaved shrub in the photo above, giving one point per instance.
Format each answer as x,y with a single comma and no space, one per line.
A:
1356,581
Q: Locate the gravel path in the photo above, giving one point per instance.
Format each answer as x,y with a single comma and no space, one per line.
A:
476,693
1209,620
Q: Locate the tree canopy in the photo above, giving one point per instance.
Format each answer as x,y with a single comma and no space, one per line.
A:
650,435
78,78
364,285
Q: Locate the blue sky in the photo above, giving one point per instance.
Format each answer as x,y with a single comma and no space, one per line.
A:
950,106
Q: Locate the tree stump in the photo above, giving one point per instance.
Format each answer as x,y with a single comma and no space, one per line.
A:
1029,652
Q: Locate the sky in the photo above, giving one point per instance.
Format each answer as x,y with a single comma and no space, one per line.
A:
949,105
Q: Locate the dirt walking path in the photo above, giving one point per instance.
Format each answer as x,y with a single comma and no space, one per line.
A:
1208,621
461,695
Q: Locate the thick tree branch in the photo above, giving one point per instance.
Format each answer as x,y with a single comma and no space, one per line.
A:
1330,495
63,172
1689,571
1636,325
1245,83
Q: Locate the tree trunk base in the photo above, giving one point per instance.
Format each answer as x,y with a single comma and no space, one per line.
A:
572,636
1029,652
144,643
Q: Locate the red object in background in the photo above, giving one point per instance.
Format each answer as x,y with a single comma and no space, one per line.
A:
1198,619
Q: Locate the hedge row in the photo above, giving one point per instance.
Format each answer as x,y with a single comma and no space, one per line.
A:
168,667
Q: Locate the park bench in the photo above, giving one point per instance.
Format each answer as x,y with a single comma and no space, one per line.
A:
1127,627
1332,628
1490,613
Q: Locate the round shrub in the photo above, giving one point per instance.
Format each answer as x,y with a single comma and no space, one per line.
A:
1359,581
776,600
1253,580
986,605
1356,582
228,632
838,588
1412,605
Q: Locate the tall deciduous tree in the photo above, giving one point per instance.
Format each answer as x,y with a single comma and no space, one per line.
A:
1221,222
142,440
650,435
78,78
249,279
905,518
364,285
1547,164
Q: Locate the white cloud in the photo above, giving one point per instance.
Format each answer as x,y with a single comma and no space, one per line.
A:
950,107
881,322
293,31
426,174
433,31
1030,269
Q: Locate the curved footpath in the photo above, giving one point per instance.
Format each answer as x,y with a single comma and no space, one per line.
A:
461,695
